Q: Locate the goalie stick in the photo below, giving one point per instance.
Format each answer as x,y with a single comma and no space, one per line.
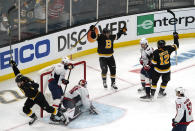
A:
173,14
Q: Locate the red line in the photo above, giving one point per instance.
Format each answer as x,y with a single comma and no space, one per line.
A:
183,68
16,126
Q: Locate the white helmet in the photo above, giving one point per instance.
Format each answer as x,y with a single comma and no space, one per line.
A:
143,41
180,90
65,60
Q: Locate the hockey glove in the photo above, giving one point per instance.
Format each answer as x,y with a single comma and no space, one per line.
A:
12,63
92,28
141,61
146,67
124,30
65,82
175,35
174,123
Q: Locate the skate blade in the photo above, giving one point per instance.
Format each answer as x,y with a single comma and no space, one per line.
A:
146,100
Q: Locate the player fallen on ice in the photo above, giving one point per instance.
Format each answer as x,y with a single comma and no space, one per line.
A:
184,111
75,102
105,51
34,96
146,71
57,79
162,64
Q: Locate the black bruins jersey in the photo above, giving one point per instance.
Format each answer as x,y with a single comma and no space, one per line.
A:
30,88
161,58
105,45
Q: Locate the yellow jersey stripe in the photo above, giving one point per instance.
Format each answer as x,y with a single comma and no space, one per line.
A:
106,55
162,70
154,62
29,114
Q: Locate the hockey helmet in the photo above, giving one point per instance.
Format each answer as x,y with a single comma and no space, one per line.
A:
106,30
83,82
65,60
161,43
180,90
143,41
19,78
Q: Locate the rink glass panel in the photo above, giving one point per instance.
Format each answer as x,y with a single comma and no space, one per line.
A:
4,37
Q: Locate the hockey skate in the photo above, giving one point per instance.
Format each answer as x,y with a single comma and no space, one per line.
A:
114,86
105,85
161,93
34,118
146,98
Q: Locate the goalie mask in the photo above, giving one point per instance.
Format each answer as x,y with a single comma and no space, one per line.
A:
83,83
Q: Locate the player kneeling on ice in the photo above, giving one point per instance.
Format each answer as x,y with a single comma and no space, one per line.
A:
184,111
57,79
146,71
34,96
75,102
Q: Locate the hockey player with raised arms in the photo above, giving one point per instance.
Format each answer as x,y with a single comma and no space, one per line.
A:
105,50
146,71
76,101
162,64
34,96
184,111
57,79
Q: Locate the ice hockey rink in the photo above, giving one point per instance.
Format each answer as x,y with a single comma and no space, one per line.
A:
121,110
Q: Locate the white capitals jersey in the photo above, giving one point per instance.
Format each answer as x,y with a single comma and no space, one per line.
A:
82,92
184,111
145,54
58,73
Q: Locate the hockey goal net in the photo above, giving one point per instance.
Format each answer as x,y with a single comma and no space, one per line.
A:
77,73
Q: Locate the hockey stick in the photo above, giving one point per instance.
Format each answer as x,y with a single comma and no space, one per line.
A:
173,14
9,30
83,36
64,91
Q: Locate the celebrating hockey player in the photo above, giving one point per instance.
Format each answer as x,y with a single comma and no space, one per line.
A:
105,51
34,96
76,101
146,71
161,62
58,78
184,111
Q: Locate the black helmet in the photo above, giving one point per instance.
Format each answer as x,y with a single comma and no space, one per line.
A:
19,78
105,30
161,43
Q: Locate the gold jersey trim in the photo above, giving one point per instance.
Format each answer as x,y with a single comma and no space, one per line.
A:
105,55
162,70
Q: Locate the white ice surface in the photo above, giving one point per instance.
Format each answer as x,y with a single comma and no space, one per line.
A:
139,116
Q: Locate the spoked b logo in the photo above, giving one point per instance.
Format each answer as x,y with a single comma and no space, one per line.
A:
145,24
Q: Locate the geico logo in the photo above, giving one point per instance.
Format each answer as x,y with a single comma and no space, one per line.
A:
25,53
66,41
180,20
